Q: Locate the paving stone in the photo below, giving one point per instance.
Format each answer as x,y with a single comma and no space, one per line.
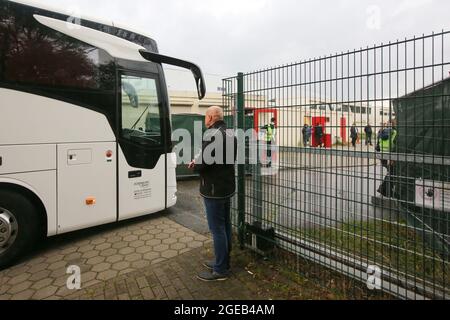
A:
162,236
103,246
101,267
58,273
69,250
24,295
178,235
159,292
171,292
96,260
4,288
142,282
73,256
120,245
156,261
133,257
107,275
108,252
57,265
115,258
140,232
131,238
178,246
42,284
119,266
126,271
169,254
161,248
17,288
140,264
154,231
144,249
147,293
114,239
45,293
137,244
90,254
146,237
153,242
88,276
195,244
186,240
98,241
91,283
62,281
40,267
151,256
86,248
133,288
126,251
170,241
19,279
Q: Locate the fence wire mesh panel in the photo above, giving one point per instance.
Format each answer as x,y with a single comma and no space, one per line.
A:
347,164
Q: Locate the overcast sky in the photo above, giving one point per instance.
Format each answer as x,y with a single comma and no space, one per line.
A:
227,36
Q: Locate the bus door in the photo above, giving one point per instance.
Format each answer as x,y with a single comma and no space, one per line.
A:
142,145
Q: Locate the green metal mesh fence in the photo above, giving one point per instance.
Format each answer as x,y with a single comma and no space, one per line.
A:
355,181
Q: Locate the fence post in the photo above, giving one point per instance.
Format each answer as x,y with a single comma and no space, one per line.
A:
241,166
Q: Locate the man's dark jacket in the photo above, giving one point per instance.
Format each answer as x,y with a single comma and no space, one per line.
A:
218,179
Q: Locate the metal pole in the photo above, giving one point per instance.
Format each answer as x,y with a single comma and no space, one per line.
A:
241,166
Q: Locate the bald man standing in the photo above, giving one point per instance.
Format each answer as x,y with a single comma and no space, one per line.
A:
217,187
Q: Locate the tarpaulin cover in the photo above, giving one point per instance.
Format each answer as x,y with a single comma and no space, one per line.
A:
423,124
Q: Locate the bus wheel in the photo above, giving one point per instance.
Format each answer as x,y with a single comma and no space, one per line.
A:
18,226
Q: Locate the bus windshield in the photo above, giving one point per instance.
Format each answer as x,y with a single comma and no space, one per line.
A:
141,110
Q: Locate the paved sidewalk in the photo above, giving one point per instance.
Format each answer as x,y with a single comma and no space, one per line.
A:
101,255
174,280
252,279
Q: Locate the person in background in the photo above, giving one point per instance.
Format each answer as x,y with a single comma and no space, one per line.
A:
354,135
309,135
305,135
369,133
318,132
386,144
217,187
270,139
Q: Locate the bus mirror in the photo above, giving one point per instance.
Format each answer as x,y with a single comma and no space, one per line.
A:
196,71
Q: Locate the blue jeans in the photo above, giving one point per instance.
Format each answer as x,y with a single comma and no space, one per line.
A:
218,212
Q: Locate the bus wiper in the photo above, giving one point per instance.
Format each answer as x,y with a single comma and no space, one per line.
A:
138,120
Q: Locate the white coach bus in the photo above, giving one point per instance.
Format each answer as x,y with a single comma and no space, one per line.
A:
85,130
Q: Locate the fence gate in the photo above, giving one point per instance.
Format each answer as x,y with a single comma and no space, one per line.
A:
347,163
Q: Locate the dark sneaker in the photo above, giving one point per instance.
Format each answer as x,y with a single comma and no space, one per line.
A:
210,277
210,265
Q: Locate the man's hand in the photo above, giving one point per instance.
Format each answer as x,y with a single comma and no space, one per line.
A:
191,165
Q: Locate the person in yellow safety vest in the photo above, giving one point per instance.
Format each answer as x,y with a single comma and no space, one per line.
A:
270,138
387,139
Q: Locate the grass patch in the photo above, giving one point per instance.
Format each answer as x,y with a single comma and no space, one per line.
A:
386,245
